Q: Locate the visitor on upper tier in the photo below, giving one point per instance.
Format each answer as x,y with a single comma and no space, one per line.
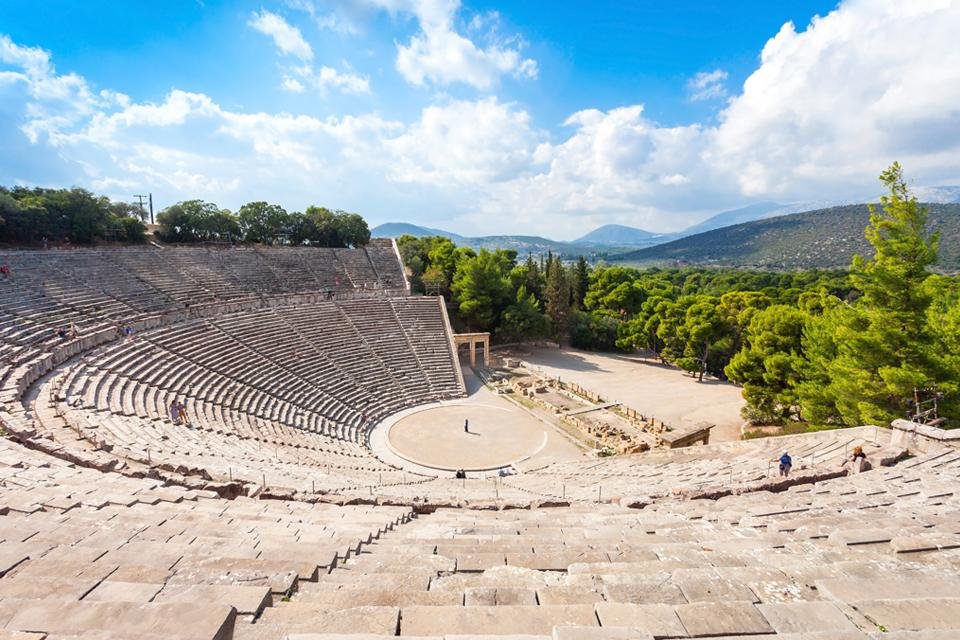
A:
5,270
62,333
182,414
858,455
786,462
175,411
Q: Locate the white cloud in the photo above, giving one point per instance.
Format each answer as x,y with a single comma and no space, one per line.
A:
286,37
826,109
707,85
292,85
326,78
441,55
464,143
872,82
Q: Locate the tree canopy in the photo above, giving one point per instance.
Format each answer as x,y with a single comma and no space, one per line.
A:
28,215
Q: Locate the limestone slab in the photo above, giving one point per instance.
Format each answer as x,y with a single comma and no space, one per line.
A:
309,619
643,592
117,591
920,614
499,620
697,589
717,619
891,588
659,620
568,594
599,633
805,617
212,622
246,600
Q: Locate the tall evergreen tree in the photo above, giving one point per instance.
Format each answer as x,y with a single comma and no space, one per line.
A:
884,344
581,281
557,297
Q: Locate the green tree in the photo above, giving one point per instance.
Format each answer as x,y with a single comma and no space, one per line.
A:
885,346
615,292
703,326
771,364
557,297
351,229
481,290
263,222
523,320
581,282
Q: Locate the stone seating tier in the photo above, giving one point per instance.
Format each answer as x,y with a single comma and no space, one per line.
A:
86,554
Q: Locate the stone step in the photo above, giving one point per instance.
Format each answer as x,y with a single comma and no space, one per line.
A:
493,620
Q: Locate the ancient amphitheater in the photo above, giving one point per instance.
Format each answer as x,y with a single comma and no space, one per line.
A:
274,515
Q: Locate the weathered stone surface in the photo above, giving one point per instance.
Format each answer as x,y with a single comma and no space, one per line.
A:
599,633
366,597
553,561
304,618
115,591
568,594
133,620
246,600
643,592
698,588
912,544
805,617
479,561
912,615
505,620
893,588
717,619
658,620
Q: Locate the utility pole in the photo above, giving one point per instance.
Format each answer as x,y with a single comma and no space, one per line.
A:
141,199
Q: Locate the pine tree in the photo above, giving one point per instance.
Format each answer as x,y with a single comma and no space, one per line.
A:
557,297
884,343
581,281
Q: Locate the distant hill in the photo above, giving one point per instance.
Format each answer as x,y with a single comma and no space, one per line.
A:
618,235
823,238
734,216
521,244
397,229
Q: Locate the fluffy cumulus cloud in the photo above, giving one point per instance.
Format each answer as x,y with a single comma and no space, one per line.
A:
873,81
441,54
287,38
826,109
464,143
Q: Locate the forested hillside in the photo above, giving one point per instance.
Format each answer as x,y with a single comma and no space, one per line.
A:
813,347
824,239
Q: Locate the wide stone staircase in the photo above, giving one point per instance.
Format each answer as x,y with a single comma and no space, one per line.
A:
871,556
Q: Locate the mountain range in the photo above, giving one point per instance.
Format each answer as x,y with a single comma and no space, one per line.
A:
763,234
823,238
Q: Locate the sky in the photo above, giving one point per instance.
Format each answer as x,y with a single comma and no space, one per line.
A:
488,117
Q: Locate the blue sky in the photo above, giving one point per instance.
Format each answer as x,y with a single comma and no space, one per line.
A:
481,117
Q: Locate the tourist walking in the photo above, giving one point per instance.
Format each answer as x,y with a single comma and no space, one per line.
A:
786,462
466,425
